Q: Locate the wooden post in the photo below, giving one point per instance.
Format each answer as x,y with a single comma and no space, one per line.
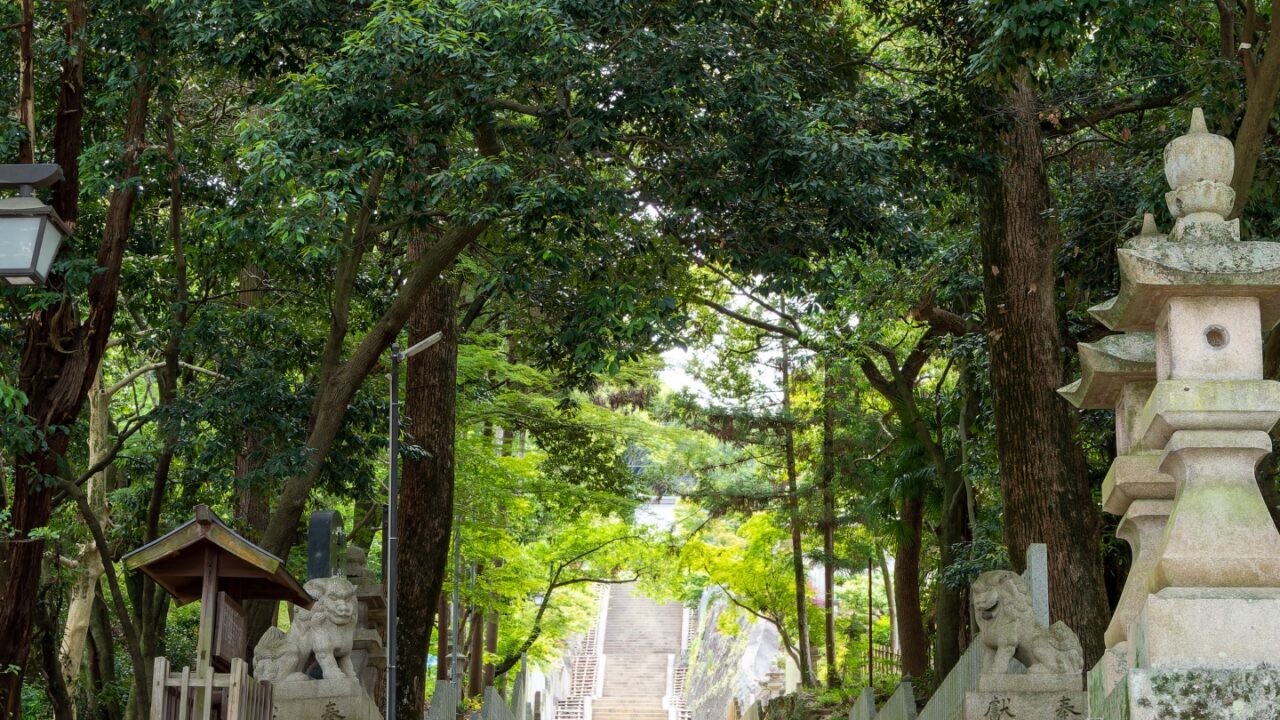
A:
204,644
208,610
159,677
206,706
184,695
236,690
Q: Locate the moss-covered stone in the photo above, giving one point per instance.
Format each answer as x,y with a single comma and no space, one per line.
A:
1246,694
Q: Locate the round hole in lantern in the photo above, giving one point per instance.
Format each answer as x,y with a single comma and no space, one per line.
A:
1217,336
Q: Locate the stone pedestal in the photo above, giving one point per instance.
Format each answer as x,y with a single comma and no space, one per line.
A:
340,699
1220,533
1211,628
1027,697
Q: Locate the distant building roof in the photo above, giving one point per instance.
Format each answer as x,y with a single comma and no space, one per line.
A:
245,571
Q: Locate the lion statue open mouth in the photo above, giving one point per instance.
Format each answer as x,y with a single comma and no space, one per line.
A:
1002,603
325,632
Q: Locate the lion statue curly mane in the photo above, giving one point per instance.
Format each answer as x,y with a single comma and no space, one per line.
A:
1002,603
325,632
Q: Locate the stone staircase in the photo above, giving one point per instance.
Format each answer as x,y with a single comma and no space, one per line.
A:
641,644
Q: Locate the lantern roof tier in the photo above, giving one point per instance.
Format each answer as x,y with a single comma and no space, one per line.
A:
1109,363
1153,272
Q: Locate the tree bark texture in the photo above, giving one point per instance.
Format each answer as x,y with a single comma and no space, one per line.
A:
26,83
50,664
1044,481
475,652
828,478
442,638
950,607
906,586
85,588
426,492
797,535
1260,63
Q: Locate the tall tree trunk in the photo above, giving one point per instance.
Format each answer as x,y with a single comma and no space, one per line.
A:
426,495
59,364
26,83
85,588
1044,481
67,127
491,623
475,653
828,479
51,667
1261,68
950,609
442,640
906,586
104,700
253,496
339,384
797,537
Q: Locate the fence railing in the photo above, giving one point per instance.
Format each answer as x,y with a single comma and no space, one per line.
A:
494,707
210,695
865,706
520,709
444,701
902,705
947,702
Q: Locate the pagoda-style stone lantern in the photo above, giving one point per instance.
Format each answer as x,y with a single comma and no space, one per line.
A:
1193,416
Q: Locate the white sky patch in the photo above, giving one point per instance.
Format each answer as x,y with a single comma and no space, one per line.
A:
676,377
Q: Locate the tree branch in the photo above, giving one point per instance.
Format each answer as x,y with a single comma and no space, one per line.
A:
1071,124
780,330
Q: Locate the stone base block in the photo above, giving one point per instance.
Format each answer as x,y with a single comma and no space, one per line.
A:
1208,628
341,699
1242,694
1029,683
1106,675
1062,704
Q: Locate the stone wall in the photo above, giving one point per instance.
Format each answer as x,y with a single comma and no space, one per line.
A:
723,668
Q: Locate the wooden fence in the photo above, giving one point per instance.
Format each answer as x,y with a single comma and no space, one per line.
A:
210,695
886,660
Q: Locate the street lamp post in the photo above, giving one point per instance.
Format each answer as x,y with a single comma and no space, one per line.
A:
30,231
391,536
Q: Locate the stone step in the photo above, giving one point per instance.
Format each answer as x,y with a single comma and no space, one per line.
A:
640,635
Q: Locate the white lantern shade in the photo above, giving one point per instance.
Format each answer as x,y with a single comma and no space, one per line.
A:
30,235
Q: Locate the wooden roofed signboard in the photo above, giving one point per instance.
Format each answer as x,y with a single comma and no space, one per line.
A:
245,571
207,561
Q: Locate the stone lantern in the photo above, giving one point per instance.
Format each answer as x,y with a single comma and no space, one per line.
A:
1193,417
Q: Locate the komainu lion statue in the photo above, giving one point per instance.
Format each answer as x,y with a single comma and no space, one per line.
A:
325,632
1002,603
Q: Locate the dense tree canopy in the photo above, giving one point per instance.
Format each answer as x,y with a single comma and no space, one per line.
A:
871,229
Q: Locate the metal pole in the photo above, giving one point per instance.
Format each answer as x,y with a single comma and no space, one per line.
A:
457,598
391,537
871,658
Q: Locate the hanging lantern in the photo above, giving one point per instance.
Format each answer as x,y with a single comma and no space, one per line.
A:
30,231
